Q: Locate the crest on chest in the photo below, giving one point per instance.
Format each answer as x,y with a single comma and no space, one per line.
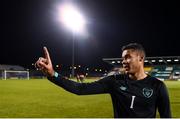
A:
147,92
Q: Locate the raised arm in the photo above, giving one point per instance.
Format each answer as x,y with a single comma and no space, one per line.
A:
97,87
45,65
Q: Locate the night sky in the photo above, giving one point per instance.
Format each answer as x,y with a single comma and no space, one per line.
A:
28,25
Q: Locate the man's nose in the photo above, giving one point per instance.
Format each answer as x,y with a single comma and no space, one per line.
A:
124,61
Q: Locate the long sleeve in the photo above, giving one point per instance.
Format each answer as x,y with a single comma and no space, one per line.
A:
97,87
164,102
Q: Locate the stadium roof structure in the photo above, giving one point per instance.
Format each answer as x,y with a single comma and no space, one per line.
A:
11,67
161,60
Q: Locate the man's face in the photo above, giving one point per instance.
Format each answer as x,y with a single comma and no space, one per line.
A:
132,61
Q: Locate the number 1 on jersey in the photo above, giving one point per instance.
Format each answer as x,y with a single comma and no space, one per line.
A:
132,102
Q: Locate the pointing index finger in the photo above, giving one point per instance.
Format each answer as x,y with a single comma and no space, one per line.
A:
46,53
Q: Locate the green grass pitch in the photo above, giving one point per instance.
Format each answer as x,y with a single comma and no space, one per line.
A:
42,99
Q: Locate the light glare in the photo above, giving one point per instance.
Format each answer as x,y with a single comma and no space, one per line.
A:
71,18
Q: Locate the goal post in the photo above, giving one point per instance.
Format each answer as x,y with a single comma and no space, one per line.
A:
8,74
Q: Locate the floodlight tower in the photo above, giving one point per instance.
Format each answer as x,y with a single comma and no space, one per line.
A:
73,20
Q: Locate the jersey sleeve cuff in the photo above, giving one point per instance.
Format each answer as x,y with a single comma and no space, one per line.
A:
56,76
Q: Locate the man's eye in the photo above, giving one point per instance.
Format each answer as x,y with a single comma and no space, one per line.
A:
128,57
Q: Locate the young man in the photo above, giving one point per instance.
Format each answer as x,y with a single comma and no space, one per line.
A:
134,93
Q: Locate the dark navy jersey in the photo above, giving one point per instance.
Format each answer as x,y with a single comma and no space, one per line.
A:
130,98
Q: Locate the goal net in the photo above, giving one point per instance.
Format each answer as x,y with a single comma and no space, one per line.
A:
11,74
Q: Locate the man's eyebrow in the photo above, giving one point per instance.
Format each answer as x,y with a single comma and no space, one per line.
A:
127,55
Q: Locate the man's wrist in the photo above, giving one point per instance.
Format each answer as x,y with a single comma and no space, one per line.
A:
55,74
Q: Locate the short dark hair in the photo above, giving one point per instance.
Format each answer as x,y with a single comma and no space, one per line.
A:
135,46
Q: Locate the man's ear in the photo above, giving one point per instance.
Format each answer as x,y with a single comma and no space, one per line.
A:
141,58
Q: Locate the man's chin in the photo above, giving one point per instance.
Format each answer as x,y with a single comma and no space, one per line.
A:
126,72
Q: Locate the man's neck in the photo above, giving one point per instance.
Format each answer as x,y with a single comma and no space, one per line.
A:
138,76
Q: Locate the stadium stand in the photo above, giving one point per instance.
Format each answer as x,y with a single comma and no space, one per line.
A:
162,72
148,69
176,72
164,68
11,67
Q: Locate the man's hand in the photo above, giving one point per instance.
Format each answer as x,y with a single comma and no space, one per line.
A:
44,64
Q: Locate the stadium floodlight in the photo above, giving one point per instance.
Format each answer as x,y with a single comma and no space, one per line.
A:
168,60
145,60
57,66
70,16
153,60
113,62
160,60
118,62
176,60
